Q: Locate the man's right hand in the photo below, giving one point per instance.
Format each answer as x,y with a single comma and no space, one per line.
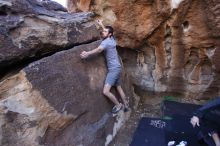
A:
194,121
84,54
100,22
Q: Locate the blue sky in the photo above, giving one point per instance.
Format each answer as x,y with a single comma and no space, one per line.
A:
62,2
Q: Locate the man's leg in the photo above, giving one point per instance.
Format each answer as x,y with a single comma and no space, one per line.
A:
106,92
216,139
122,94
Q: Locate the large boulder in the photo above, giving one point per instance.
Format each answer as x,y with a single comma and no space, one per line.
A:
30,29
58,101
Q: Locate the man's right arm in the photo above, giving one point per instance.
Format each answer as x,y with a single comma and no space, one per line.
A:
86,54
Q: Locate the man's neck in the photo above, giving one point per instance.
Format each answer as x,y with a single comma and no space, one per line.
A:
106,38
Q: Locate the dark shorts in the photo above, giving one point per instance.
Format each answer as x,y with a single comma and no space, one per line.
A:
113,77
208,126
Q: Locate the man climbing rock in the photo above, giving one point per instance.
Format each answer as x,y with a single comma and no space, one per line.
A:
108,45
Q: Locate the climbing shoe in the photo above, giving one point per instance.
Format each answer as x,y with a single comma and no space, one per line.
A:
117,108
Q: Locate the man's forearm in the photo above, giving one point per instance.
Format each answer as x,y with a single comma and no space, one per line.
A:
103,27
85,54
95,51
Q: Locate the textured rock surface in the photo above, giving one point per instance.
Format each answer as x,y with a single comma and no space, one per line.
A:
58,101
28,29
132,20
25,114
176,42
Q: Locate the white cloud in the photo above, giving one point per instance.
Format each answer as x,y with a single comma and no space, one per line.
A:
62,2
175,3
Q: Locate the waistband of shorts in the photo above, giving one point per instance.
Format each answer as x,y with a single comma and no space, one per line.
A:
114,69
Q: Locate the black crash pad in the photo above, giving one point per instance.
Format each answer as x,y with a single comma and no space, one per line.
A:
158,132
171,108
174,126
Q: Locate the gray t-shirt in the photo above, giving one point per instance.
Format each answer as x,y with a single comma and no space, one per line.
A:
111,54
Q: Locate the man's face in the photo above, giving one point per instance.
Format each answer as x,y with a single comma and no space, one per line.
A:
105,33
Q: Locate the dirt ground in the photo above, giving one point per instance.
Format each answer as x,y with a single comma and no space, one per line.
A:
148,107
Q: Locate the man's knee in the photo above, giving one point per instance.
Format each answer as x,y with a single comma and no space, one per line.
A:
106,89
105,92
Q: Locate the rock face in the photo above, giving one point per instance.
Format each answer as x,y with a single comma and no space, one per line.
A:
58,101
176,42
32,29
166,46
133,21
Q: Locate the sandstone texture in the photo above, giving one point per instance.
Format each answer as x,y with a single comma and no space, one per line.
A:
55,98
58,101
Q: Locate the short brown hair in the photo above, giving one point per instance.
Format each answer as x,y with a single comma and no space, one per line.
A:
110,29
